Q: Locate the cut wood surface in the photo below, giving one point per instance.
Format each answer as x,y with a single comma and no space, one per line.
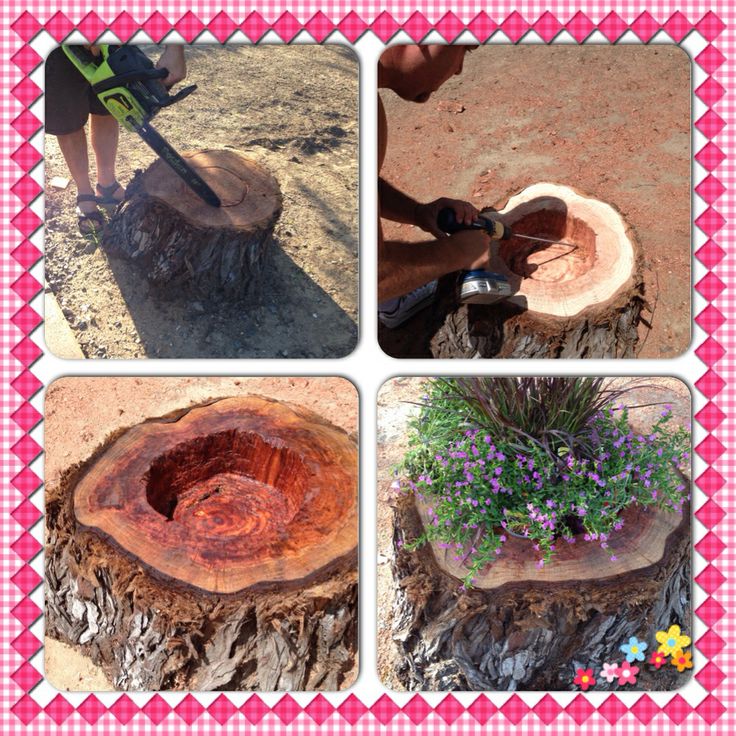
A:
213,548
582,300
558,280
181,242
241,492
640,544
519,627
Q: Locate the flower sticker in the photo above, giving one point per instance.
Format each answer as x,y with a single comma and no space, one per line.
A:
672,640
609,672
634,650
627,674
584,678
682,660
657,659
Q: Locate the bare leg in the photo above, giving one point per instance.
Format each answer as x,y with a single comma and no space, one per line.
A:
104,135
74,149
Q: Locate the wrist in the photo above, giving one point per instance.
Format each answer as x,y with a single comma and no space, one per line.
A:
417,213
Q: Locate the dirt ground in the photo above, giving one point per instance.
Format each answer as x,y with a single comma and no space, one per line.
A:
295,110
396,406
72,433
611,121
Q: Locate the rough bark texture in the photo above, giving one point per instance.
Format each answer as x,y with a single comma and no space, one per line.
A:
528,635
184,246
536,322
150,631
449,329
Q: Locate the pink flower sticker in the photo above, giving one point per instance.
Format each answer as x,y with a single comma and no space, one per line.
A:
627,674
609,672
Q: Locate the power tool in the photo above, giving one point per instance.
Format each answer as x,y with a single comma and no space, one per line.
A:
130,87
479,286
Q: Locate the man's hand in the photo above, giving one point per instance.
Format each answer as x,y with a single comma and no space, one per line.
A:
426,214
173,60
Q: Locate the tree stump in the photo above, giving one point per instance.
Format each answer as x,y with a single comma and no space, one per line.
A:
521,628
182,244
214,548
581,302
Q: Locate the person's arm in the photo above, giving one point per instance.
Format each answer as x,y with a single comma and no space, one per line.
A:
400,207
402,267
173,60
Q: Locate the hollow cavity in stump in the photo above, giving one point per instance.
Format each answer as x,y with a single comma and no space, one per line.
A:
580,299
214,548
227,497
562,280
183,245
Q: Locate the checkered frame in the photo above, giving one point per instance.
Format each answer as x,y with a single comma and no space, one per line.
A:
706,705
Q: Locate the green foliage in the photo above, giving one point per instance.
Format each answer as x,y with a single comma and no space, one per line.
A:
544,458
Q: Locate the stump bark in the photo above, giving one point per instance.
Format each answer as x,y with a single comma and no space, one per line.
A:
583,301
183,245
520,628
214,548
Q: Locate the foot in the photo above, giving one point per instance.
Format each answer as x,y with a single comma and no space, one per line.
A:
109,197
89,219
394,312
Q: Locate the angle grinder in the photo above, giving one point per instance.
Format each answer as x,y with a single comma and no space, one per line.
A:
480,286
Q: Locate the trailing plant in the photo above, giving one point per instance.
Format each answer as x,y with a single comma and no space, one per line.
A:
544,458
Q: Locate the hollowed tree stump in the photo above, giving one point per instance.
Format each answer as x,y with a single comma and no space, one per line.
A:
521,628
183,245
581,302
214,548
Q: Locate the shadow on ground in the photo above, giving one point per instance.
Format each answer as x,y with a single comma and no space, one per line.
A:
294,317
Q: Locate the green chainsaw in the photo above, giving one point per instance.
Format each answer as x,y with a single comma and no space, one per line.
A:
130,87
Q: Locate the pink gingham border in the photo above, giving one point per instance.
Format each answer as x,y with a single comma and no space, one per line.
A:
713,708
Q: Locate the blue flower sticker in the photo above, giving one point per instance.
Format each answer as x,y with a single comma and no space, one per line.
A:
634,650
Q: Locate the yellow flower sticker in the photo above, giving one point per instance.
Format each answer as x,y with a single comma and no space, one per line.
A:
672,640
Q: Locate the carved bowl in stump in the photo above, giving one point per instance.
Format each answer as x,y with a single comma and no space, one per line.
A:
596,261
239,493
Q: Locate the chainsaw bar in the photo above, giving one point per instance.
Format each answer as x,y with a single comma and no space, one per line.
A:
190,177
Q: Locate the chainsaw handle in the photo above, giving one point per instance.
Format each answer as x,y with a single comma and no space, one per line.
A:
120,80
180,95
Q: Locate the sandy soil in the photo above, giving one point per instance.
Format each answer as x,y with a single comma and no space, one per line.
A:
613,122
294,109
396,406
72,432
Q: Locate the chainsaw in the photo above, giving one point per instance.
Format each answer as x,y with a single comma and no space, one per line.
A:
130,87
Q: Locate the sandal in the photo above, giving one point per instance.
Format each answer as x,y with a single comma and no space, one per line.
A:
106,196
89,223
